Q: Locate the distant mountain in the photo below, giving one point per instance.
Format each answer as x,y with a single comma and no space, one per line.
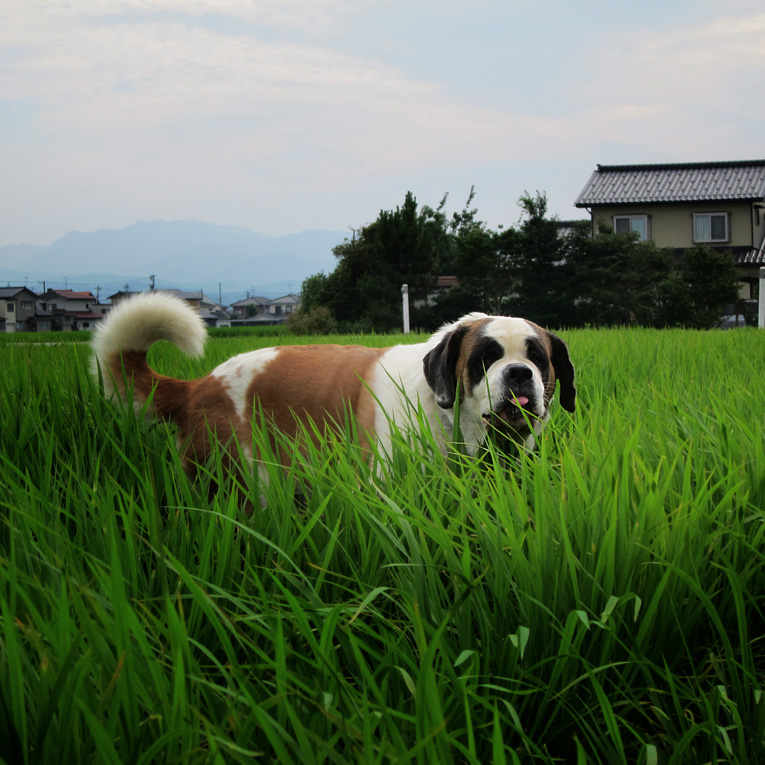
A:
188,254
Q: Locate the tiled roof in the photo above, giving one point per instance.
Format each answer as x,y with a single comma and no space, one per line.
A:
255,300
9,292
182,294
751,257
693,182
72,295
285,300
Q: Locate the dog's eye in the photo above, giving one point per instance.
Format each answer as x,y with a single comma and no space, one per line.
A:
488,358
485,354
536,355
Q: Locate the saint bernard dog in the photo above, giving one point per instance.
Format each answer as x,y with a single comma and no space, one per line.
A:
498,373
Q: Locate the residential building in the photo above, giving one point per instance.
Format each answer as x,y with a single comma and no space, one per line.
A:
283,306
680,206
17,309
270,312
70,300
213,314
67,311
250,306
118,297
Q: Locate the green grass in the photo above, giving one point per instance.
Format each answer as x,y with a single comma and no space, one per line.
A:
601,601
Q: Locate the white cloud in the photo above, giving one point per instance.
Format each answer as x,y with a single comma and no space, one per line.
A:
168,103
164,78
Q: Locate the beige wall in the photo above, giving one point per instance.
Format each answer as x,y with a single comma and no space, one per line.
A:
672,224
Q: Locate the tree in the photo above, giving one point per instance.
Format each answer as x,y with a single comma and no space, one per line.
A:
538,265
316,321
403,246
615,279
711,280
528,270
314,292
482,261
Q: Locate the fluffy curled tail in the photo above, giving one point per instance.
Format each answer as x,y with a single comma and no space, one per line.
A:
122,340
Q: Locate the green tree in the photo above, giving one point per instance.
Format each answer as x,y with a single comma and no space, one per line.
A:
615,279
538,265
710,278
403,246
482,260
316,321
315,292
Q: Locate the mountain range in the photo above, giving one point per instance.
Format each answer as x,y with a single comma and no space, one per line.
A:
187,254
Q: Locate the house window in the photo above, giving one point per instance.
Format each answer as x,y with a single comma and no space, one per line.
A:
26,305
710,227
10,307
623,224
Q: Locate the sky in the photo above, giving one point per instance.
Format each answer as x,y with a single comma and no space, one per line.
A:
286,115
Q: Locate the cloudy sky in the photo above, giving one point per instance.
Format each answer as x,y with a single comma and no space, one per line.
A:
284,115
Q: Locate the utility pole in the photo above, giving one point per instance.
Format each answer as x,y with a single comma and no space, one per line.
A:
152,282
220,296
43,284
98,293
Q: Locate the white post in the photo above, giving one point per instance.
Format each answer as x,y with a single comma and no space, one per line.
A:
761,317
405,297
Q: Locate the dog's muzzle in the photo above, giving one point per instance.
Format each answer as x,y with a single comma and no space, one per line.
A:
518,406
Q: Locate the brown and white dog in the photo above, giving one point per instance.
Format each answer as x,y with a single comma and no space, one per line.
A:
502,369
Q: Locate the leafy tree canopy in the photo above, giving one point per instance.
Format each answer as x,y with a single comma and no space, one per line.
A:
530,269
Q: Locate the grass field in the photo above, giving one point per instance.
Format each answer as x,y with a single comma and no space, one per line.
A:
601,601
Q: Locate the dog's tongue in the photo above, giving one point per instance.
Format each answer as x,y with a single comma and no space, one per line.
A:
521,400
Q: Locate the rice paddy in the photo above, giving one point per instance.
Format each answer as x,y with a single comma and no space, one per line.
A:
598,601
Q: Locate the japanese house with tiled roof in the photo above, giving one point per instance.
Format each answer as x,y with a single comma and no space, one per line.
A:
68,310
17,308
679,206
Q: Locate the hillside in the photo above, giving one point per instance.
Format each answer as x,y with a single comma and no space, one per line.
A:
188,254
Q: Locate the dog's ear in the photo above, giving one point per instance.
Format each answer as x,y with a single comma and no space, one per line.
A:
440,367
564,371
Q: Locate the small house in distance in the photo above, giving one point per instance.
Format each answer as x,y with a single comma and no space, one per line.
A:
256,311
17,309
283,306
68,310
680,206
249,307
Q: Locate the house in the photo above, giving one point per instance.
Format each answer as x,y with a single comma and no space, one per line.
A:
213,314
442,284
17,309
270,312
117,297
67,311
283,306
679,206
250,306
70,300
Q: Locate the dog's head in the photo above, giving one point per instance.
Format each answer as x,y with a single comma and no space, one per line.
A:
505,370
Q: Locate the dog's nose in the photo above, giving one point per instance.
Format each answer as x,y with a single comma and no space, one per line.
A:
515,374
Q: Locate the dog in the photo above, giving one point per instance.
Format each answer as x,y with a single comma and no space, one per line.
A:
499,373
